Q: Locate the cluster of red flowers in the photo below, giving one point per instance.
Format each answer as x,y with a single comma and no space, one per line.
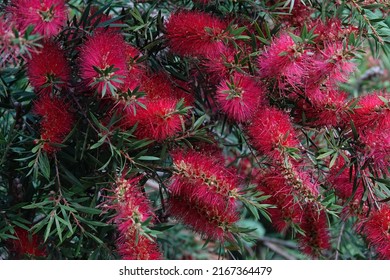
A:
203,194
26,245
44,17
132,210
56,123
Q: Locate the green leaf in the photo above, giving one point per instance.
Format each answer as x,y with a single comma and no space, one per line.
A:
148,158
48,227
324,155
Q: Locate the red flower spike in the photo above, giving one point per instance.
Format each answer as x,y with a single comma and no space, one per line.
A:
26,244
314,225
371,112
376,228
218,67
134,71
323,108
271,129
103,63
339,180
331,66
192,33
48,69
205,191
56,123
282,61
9,51
240,97
159,121
287,211
132,209
209,222
47,16
377,145
331,31
157,86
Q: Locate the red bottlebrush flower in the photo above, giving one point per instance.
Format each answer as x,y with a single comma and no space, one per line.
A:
371,112
157,86
103,62
48,69
377,145
330,31
47,16
376,228
239,97
271,129
283,61
203,194
8,51
314,225
339,179
330,66
26,245
195,34
183,90
56,123
160,85
158,121
135,72
218,67
287,211
132,209
323,108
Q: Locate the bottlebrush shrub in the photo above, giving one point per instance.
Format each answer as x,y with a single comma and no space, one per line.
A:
195,130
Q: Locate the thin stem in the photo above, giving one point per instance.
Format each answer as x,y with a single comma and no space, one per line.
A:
367,20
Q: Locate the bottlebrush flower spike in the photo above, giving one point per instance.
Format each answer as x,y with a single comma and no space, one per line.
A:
103,62
157,86
330,66
288,210
239,97
133,209
56,123
48,69
203,194
135,72
324,108
8,51
271,129
47,16
339,179
26,244
377,145
332,30
158,121
283,61
192,33
376,228
371,112
314,225
218,67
